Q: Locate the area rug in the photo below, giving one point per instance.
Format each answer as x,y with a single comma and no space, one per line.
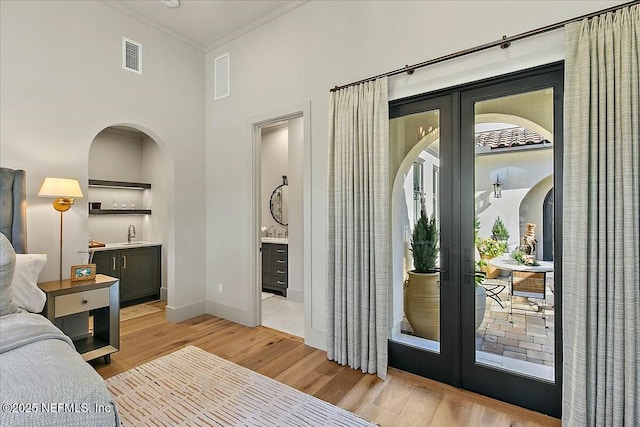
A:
191,387
137,311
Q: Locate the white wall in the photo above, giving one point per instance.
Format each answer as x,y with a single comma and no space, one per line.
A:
296,226
330,43
519,172
156,226
61,83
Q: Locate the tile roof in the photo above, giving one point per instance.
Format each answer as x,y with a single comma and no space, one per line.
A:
508,138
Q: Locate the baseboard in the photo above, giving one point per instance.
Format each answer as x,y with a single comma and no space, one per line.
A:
163,294
296,295
178,314
236,315
315,338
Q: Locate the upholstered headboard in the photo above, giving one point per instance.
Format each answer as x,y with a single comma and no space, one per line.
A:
13,207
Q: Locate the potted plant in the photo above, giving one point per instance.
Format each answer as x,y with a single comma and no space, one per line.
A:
481,293
490,248
422,288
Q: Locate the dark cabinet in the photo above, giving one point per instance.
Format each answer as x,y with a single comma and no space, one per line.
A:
275,265
137,268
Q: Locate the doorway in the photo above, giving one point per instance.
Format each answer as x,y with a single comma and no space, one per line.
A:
281,221
282,305
493,150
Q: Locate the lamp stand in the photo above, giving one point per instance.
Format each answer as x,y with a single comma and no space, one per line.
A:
62,204
61,212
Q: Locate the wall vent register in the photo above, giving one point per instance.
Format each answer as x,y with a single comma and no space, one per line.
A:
131,55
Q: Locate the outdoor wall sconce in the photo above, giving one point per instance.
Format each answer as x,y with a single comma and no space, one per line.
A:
497,188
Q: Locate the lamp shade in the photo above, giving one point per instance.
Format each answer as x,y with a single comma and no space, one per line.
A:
60,187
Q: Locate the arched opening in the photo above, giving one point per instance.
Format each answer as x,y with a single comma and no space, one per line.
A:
129,187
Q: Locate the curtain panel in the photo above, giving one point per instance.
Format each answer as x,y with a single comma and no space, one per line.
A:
358,233
601,238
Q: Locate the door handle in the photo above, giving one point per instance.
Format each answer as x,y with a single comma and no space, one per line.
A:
467,260
113,261
124,262
444,271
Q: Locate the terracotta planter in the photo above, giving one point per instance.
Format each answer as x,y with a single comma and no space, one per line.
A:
490,270
422,304
481,305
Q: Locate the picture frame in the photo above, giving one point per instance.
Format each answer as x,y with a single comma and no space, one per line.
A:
83,272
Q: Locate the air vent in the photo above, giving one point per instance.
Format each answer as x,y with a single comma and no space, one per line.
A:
131,55
222,76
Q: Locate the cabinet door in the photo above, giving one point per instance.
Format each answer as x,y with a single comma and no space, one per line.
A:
107,262
139,273
267,258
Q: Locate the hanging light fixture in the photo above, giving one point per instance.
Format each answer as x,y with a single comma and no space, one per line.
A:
497,188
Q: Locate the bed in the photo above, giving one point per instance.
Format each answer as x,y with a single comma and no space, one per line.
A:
43,380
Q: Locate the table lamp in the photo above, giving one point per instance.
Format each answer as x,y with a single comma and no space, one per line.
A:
64,190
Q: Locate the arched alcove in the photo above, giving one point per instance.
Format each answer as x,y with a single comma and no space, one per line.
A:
132,154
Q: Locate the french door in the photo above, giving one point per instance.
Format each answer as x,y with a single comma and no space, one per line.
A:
490,157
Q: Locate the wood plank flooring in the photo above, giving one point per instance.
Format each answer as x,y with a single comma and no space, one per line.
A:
403,400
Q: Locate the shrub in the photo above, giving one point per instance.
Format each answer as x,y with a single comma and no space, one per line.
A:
424,244
500,232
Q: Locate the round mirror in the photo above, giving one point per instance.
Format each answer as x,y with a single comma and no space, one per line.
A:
279,203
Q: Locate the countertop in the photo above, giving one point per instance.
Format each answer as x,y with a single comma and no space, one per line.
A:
278,240
125,245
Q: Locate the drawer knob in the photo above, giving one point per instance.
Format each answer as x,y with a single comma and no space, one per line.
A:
84,301
280,282
280,272
280,261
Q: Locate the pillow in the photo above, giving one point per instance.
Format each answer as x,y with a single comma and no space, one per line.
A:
7,266
26,293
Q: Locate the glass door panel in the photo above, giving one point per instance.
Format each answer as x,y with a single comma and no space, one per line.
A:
420,311
513,177
510,189
419,157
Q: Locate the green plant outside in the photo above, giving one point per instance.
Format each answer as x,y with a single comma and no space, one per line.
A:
424,244
490,248
499,231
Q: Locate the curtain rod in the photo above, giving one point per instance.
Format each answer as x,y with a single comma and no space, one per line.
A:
504,43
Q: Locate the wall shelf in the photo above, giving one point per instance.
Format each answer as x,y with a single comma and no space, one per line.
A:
119,211
119,184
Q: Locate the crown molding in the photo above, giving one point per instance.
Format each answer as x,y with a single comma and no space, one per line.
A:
153,24
213,44
252,25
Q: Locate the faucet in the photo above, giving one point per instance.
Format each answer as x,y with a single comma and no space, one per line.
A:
131,232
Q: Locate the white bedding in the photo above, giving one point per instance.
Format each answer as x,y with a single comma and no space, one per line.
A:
44,381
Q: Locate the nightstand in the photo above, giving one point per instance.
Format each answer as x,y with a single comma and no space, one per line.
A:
98,297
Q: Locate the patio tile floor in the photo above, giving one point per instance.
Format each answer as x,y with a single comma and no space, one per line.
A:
530,337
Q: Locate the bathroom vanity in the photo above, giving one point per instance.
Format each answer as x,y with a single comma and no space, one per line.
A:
275,265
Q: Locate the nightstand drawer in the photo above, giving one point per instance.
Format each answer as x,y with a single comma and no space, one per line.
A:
81,301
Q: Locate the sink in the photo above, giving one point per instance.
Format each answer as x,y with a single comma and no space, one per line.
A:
279,240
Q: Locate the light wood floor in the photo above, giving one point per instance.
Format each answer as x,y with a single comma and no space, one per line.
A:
402,400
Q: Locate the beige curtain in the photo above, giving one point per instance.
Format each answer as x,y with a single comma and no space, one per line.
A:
358,235
601,238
